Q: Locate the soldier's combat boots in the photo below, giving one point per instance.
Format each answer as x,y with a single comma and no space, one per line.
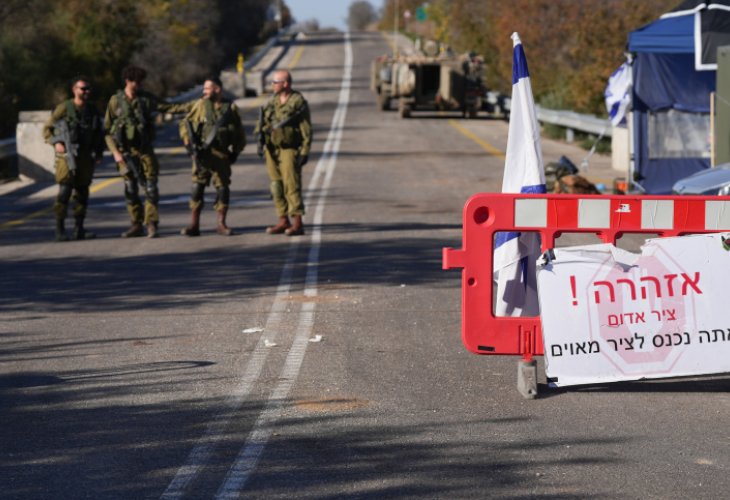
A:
61,230
297,227
280,227
134,231
152,230
222,228
80,233
194,228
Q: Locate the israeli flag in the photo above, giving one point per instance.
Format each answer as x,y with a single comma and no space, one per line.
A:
617,94
515,254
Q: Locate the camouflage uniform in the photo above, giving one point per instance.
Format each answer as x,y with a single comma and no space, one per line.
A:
285,145
86,132
220,138
130,129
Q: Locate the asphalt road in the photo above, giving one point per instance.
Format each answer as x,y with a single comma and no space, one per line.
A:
322,366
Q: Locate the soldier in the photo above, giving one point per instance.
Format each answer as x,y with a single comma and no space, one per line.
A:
130,133
76,133
214,137
285,138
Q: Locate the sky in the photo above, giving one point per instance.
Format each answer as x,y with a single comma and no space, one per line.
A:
327,12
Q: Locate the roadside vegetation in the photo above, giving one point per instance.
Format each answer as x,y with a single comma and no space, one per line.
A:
44,43
571,47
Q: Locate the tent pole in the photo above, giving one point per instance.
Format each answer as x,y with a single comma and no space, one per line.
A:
631,125
712,129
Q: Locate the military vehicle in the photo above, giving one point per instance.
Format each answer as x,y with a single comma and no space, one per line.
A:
445,82
381,71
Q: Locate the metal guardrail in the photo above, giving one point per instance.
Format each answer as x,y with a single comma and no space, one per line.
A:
248,65
256,58
575,121
571,120
568,119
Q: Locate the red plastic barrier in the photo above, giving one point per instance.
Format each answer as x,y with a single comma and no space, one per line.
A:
550,215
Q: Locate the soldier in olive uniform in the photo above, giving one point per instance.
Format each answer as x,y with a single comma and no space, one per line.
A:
285,132
76,133
130,133
214,137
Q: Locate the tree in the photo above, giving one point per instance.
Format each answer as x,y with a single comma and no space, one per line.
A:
572,47
44,43
178,43
389,15
360,15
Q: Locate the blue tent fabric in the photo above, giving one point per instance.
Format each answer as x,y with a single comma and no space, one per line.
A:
674,35
669,81
664,79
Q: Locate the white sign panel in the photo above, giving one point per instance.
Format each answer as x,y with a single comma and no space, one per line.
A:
609,315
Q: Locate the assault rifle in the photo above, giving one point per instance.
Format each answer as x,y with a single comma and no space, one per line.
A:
132,162
63,135
261,139
267,130
193,146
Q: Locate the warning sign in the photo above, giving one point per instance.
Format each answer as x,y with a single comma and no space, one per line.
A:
609,315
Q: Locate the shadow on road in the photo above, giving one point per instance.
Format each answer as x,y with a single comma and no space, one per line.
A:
56,425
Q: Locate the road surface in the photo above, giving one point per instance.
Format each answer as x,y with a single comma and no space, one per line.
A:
322,366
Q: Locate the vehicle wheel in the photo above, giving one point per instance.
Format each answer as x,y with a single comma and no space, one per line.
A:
383,102
472,112
404,110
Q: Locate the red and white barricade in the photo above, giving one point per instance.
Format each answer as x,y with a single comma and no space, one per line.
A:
609,217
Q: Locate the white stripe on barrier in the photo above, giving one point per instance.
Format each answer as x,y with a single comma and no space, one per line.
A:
657,214
717,215
594,213
530,213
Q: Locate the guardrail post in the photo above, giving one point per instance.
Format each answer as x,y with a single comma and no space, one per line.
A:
569,135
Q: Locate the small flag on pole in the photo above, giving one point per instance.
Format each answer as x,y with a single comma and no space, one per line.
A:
515,254
617,94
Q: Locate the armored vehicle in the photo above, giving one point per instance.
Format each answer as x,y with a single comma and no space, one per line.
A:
442,83
381,71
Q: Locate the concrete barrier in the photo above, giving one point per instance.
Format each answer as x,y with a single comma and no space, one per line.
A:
620,152
35,157
234,82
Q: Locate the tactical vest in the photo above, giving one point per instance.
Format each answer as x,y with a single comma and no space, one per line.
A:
83,127
133,124
218,133
288,135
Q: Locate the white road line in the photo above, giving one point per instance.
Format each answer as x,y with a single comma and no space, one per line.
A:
215,431
257,439
202,451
